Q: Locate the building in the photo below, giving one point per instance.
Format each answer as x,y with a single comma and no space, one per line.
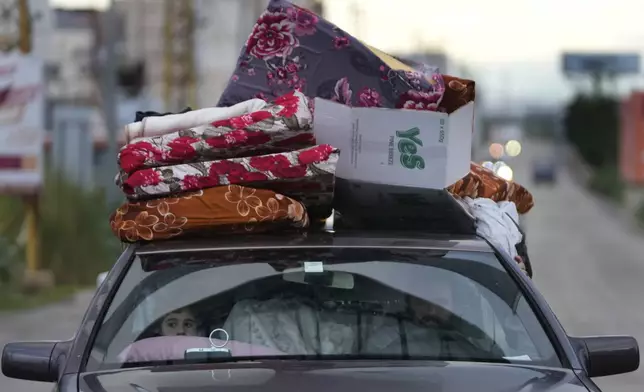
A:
220,29
69,68
631,146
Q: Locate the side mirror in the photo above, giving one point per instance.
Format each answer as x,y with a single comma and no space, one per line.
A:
34,361
608,355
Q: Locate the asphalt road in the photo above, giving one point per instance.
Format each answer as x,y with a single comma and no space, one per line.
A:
588,264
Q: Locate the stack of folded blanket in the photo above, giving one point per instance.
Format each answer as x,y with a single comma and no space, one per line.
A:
249,172
253,163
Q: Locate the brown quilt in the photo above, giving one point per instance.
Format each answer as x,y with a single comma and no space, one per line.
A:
224,209
481,182
458,93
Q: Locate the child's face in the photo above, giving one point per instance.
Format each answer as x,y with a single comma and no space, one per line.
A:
179,323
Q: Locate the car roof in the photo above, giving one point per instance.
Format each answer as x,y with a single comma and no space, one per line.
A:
321,239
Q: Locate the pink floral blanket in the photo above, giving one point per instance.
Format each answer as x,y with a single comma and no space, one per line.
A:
284,125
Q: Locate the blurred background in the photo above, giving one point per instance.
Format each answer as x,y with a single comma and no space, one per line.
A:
560,109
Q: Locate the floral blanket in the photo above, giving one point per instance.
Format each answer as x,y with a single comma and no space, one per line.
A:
481,182
296,174
224,209
292,48
283,125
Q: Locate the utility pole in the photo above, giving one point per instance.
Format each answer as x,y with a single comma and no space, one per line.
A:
25,43
108,94
180,84
168,53
25,46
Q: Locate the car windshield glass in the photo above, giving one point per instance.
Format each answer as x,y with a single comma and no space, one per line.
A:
318,303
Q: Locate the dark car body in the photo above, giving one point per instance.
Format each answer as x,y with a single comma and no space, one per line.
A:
344,376
581,358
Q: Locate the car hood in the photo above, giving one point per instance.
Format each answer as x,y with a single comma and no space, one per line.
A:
341,376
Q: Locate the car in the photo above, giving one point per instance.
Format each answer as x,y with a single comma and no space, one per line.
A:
544,171
342,310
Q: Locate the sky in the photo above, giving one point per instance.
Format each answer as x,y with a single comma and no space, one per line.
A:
511,47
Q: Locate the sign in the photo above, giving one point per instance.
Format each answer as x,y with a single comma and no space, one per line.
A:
21,122
604,63
413,148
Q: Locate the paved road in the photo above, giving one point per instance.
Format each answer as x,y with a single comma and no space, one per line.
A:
587,263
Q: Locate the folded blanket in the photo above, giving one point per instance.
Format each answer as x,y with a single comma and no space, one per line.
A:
297,174
283,125
292,48
225,209
482,182
159,125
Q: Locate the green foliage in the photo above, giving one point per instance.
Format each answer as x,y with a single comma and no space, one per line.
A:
12,299
592,125
606,181
11,253
75,237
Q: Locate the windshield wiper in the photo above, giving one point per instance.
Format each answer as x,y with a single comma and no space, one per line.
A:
310,357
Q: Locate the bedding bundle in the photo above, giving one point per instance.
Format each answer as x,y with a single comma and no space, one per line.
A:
252,163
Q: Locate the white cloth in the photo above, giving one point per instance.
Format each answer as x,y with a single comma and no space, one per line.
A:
160,125
291,327
496,222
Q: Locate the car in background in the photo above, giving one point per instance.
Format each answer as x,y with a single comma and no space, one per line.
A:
544,171
341,310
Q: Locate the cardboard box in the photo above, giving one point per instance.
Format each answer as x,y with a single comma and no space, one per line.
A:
409,148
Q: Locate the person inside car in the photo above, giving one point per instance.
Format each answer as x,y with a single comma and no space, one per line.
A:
181,322
429,329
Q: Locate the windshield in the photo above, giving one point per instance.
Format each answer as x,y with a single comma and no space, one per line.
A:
318,303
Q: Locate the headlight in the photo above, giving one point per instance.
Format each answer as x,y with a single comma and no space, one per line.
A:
496,150
513,148
505,172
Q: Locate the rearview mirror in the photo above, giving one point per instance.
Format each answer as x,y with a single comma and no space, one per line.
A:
34,361
608,355
336,280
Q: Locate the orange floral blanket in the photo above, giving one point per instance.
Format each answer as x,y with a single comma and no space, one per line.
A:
224,209
481,182
458,93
